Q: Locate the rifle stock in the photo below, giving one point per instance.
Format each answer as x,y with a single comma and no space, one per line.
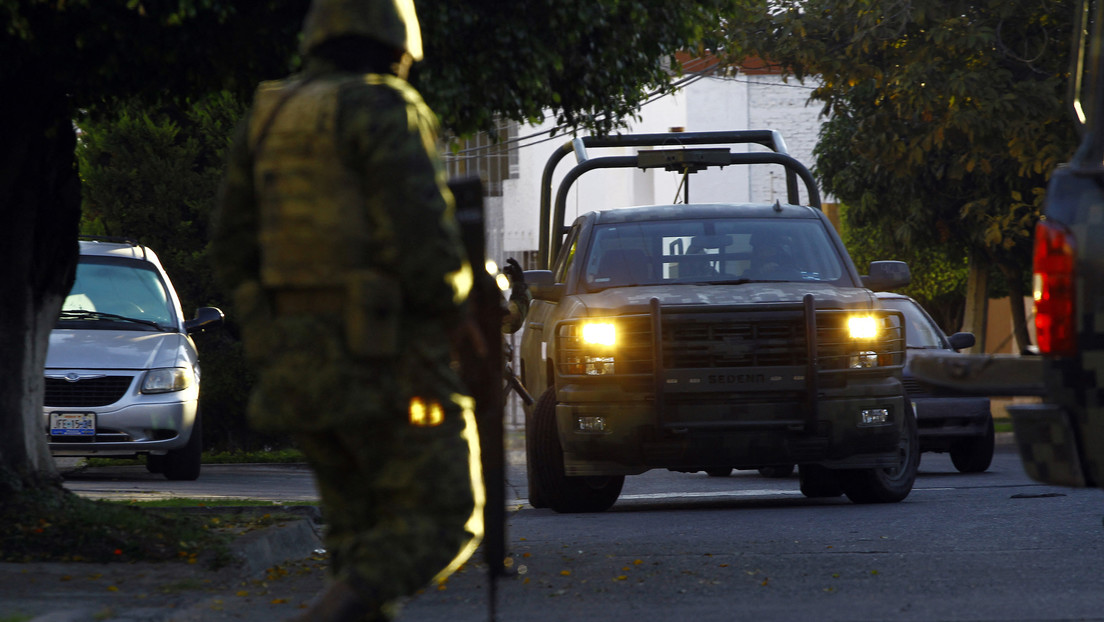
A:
482,369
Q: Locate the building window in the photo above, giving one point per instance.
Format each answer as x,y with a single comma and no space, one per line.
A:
493,158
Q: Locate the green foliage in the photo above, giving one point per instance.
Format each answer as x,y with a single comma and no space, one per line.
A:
151,149
947,118
938,278
151,173
94,49
590,61
261,456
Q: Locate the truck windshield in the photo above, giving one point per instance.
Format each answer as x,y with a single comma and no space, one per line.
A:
737,250
112,293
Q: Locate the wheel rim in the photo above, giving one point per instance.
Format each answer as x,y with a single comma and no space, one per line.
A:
904,454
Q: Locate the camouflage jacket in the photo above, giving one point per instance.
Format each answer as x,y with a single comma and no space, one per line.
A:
383,137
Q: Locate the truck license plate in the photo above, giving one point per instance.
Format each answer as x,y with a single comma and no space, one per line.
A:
72,424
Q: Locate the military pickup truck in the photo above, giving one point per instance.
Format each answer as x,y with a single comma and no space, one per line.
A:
707,337
1061,439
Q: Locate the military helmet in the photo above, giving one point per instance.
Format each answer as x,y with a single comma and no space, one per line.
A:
392,22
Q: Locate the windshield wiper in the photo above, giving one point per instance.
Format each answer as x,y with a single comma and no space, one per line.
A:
99,315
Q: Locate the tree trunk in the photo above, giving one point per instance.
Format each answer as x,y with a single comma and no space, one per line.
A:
1016,296
40,205
977,301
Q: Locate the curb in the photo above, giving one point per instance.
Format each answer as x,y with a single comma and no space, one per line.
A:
257,552
254,553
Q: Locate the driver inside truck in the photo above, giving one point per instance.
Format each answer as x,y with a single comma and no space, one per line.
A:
771,259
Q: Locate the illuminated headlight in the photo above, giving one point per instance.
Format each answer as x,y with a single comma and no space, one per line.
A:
590,365
864,360
590,424
599,334
167,380
874,416
862,327
588,348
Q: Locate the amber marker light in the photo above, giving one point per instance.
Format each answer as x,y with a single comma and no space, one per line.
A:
425,415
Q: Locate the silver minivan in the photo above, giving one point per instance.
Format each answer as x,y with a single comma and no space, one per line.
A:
122,371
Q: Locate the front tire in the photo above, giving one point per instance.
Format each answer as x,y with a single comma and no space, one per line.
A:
536,495
976,454
183,464
890,485
563,493
818,482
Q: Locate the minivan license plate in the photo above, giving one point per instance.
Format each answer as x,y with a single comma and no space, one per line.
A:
72,424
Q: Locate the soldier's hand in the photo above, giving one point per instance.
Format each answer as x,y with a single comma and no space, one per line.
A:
513,271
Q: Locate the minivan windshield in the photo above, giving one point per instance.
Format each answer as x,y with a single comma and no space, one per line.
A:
713,251
117,293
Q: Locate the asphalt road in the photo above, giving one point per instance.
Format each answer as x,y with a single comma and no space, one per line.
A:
224,482
991,546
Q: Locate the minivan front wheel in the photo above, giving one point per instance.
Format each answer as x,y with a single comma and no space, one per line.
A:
183,464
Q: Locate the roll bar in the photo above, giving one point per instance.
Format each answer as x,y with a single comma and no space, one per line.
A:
684,160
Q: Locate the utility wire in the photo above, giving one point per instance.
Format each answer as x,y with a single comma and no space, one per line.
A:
554,133
653,96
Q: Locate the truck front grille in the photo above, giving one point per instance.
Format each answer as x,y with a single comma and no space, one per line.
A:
706,338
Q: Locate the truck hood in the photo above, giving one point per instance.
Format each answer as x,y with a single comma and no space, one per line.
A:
637,299
117,349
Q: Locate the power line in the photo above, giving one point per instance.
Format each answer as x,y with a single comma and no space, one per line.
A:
554,132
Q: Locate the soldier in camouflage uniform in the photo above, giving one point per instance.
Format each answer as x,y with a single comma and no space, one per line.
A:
336,234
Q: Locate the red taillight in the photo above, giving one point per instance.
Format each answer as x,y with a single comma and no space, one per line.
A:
1055,290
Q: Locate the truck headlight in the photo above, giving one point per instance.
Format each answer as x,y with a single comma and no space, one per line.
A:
587,348
167,380
862,327
864,360
600,334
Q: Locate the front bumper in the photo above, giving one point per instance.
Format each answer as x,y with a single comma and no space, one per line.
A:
734,430
147,427
944,421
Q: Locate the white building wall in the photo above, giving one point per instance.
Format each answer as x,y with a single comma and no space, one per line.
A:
783,106
709,104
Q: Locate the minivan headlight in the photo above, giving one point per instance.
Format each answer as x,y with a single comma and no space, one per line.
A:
167,380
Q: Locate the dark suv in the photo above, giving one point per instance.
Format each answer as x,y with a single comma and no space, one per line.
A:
1061,439
706,337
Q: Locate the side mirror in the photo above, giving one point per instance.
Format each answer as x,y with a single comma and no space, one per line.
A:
543,286
960,341
887,276
205,317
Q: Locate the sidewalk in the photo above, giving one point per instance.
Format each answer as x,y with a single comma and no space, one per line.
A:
276,571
